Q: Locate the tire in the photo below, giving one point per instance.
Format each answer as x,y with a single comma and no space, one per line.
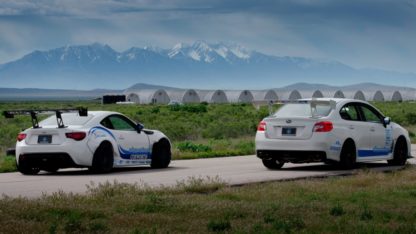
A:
400,153
161,154
103,159
348,155
27,169
272,164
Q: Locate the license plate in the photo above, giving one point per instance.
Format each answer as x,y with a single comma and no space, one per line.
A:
44,139
289,131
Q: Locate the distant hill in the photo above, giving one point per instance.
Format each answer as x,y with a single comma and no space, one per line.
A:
139,86
200,65
307,86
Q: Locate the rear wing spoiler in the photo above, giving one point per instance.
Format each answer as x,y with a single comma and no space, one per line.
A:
33,114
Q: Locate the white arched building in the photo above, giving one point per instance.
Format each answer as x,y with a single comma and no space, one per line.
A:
213,96
338,94
377,96
162,96
133,97
311,93
148,96
355,94
184,96
394,96
290,95
235,96
265,95
408,95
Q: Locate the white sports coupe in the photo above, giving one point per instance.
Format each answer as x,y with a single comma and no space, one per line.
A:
99,140
327,130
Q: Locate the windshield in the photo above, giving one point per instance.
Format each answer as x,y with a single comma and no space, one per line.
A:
68,119
302,110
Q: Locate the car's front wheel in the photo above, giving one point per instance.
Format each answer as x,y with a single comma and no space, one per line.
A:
103,159
400,153
161,154
272,164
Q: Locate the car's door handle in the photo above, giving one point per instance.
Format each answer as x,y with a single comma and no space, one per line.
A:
121,137
351,127
372,129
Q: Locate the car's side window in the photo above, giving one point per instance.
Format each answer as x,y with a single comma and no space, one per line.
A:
370,115
107,123
118,123
349,112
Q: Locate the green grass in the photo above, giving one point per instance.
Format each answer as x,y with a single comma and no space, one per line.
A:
7,164
369,202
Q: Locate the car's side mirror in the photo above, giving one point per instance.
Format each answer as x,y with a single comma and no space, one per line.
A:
139,127
386,121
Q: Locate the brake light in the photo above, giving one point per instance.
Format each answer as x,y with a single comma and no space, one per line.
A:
324,126
21,136
78,136
262,126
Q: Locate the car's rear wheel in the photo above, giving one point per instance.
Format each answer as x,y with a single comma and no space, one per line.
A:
272,164
161,154
400,153
103,159
348,155
27,169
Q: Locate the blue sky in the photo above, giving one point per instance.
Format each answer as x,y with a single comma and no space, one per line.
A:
361,33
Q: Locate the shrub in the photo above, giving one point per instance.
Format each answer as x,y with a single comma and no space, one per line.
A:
337,210
200,185
411,118
219,225
188,146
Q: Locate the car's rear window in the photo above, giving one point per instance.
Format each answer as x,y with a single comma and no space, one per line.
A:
67,118
302,110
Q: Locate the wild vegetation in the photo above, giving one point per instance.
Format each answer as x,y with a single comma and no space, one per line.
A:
369,202
196,130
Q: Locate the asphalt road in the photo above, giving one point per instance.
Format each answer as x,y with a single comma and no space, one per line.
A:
232,170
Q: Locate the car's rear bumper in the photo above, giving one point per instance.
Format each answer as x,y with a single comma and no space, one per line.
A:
317,149
78,152
46,161
292,156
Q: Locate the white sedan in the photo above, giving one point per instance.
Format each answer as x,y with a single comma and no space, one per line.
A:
330,130
99,140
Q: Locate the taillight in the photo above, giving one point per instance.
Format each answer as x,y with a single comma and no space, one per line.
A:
262,126
324,126
78,136
21,136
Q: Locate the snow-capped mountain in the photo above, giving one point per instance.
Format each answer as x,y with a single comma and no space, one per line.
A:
197,65
201,51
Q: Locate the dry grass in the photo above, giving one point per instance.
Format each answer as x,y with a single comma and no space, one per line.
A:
369,202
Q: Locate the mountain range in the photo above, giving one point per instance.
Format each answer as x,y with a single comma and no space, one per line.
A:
200,65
